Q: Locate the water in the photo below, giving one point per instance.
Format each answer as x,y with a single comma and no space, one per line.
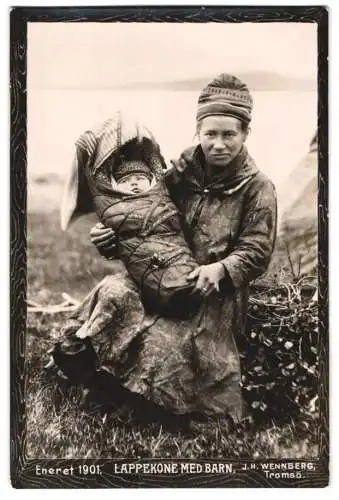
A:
282,127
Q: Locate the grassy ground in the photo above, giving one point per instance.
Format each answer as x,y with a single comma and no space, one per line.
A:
56,427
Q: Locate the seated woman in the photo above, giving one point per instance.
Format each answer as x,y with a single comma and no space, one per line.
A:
229,208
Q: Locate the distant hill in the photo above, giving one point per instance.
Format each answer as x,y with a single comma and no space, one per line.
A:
255,81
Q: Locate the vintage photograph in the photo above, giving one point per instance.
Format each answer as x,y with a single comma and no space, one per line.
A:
172,241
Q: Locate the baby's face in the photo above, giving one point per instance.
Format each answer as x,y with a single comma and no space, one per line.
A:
135,183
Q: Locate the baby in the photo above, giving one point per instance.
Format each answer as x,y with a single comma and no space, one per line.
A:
133,177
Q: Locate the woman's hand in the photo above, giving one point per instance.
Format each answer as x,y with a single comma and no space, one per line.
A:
180,165
208,278
103,237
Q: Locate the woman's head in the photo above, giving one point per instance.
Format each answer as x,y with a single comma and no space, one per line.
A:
221,138
223,118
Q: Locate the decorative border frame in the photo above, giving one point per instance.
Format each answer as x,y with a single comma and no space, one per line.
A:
22,469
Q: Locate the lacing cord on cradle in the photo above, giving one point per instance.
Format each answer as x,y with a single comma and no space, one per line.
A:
156,261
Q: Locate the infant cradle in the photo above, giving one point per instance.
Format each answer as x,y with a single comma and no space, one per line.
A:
150,238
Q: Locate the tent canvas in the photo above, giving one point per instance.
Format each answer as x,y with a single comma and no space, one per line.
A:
299,209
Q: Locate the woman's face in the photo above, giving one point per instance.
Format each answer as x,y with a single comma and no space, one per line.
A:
221,139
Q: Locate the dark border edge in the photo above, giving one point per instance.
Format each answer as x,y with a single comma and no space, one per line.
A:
18,258
323,42
19,16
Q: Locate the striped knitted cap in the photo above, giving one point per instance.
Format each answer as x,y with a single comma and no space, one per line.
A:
225,95
131,167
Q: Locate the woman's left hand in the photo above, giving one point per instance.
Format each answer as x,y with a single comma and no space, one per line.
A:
180,165
208,278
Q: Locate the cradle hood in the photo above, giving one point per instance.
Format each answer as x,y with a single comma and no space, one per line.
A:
93,149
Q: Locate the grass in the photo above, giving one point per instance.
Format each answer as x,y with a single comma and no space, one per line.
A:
56,426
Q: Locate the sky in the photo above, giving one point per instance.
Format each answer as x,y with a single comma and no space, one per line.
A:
104,55
74,69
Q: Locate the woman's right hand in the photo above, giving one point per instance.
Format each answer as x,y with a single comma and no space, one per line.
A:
103,238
